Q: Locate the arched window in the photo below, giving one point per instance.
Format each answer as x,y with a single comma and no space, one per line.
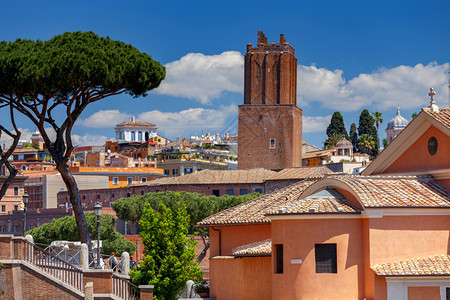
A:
139,136
146,136
133,136
24,167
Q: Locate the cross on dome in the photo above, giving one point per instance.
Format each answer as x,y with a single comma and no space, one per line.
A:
431,94
433,107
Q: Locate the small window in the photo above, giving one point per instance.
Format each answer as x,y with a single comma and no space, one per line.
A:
98,196
130,180
272,144
1,229
115,180
16,191
258,191
278,258
230,192
84,197
16,228
216,193
16,207
128,195
188,170
175,172
144,179
326,258
167,172
142,192
112,195
347,152
3,208
243,192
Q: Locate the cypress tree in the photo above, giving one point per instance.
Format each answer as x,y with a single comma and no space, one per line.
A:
354,137
367,126
336,127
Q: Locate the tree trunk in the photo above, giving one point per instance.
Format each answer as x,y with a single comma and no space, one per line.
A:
75,200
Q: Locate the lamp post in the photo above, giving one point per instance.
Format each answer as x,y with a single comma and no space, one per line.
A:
98,213
25,198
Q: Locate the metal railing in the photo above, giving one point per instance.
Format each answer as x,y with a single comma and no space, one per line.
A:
50,264
123,288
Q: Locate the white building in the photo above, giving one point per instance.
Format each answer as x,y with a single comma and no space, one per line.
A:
135,131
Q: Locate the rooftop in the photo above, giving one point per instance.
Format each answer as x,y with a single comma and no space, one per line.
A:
263,248
253,211
218,177
429,266
301,173
396,191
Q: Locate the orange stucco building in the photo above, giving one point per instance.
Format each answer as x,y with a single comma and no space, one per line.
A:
382,235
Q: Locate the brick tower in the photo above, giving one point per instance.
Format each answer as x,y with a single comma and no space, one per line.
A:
270,123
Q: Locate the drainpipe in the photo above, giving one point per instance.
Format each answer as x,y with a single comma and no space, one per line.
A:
220,240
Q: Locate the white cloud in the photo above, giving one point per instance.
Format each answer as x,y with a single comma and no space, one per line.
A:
89,140
104,119
204,77
383,89
186,122
7,140
315,124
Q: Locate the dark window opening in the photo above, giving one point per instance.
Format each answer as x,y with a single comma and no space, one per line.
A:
216,193
258,191
128,195
326,258
243,192
230,192
279,258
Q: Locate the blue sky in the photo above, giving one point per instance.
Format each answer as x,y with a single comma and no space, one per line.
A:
351,55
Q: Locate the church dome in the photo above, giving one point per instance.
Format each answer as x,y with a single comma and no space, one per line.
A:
344,144
398,122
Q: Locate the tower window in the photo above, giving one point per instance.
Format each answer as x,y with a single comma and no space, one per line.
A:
272,144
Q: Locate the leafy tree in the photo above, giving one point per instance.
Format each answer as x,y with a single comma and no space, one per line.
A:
169,254
414,115
384,143
61,77
366,126
198,206
65,229
332,140
366,143
377,118
354,137
336,127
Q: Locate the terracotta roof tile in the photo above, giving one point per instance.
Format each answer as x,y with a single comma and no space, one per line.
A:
315,206
253,211
301,173
429,266
397,191
263,248
318,153
443,116
136,123
218,177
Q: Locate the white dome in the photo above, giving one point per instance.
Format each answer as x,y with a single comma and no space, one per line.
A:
398,122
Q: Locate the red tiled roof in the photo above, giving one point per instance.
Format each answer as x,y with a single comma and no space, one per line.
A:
253,211
443,116
429,266
263,248
301,173
217,177
315,206
397,191
136,123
